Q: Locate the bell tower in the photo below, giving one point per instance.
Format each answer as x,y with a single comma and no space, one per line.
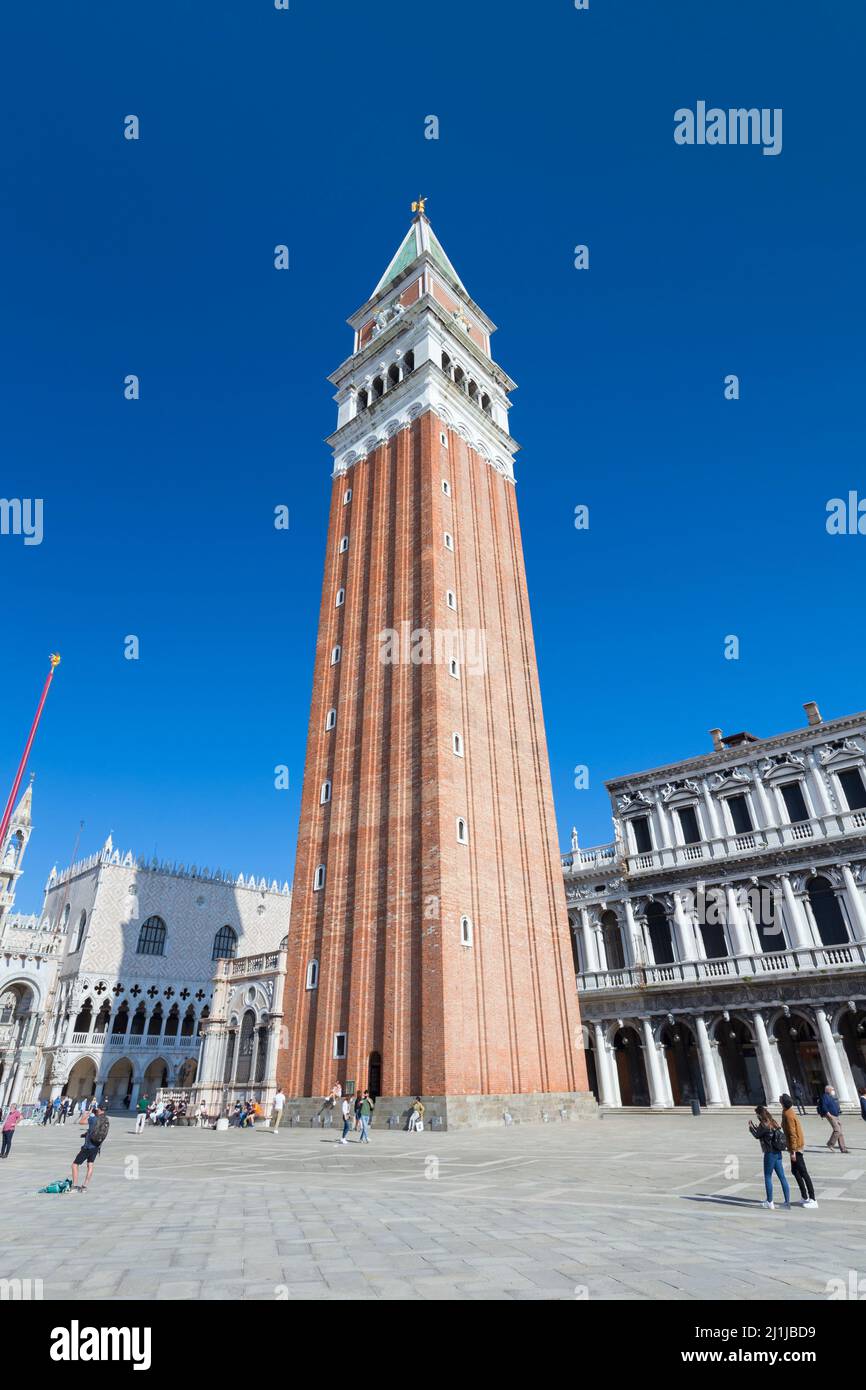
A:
429,947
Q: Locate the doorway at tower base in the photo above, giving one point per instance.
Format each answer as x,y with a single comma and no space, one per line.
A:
453,1112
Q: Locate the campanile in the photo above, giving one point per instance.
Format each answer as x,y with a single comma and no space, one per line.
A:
428,950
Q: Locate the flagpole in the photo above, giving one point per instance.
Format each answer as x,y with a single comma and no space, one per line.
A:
54,660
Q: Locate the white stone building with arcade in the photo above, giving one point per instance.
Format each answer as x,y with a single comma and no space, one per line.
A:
720,938
111,988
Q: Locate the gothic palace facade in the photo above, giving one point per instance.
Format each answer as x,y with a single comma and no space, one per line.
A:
720,939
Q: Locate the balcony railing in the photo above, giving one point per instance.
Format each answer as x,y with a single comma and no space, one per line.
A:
819,828
254,965
850,955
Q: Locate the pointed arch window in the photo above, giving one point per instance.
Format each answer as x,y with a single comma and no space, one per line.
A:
325,793
151,938
446,487
465,931
313,975
449,541
457,744
344,544
462,831
319,878
82,927
336,654
340,599
347,496
451,599
225,944
454,668
330,719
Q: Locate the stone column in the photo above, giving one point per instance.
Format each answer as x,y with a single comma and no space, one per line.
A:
658,1100
590,954
855,902
768,815
608,1081
736,929
713,827
685,931
774,1083
817,781
800,933
635,939
838,1076
661,817
708,1064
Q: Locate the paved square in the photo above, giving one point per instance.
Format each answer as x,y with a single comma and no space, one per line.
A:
630,1206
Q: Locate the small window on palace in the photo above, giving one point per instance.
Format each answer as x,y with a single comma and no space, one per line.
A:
454,668
336,653
339,1046
457,744
449,541
325,794
313,975
451,599
465,931
344,544
82,926
642,839
225,944
347,496
740,816
446,487
151,938
689,825
795,802
340,599
852,785
462,831
319,878
331,719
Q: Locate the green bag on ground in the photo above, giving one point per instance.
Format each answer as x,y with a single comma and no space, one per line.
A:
62,1185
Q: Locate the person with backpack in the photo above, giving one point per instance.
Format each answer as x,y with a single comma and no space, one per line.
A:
828,1106
416,1116
13,1115
95,1137
141,1108
773,1144
796,1142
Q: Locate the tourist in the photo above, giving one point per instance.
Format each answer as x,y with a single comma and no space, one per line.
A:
331,1098
367,1104
56,1107
863,1102
94,1138
347,1120
799,1096
416,1116
13,1115
202,1115
359,1099
773,1144
141,1113
279,1102
828,1106
47,1113
796,1144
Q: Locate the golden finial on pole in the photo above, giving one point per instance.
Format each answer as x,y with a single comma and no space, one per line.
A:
54,659
419,206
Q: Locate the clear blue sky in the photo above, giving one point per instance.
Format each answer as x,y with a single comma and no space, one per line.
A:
307,127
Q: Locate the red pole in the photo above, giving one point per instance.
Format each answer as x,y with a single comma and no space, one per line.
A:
7,814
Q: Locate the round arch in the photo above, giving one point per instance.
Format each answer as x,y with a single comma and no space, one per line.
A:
801,1055
81,1081
118,1084
683,1062
630,1066
740,1061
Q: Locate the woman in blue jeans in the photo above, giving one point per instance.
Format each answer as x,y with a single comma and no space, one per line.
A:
773,1144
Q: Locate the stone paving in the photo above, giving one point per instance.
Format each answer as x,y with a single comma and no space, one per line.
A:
626,1207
